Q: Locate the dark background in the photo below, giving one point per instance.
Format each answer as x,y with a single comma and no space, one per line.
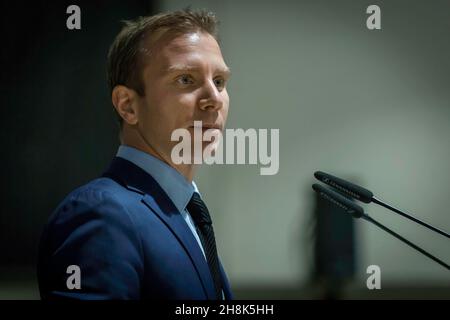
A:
59,129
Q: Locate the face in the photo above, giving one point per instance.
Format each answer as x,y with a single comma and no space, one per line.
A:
185,81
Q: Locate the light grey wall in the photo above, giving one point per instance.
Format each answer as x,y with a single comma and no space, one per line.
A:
368,105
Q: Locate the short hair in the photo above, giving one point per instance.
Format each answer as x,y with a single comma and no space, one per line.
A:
124,66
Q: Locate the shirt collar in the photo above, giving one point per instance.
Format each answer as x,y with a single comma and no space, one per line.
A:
176,186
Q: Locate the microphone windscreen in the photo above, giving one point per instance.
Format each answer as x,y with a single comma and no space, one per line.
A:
339,200
348,188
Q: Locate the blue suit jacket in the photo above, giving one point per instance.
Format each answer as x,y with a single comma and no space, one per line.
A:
129,241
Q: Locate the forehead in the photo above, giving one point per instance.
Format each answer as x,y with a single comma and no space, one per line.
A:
192,50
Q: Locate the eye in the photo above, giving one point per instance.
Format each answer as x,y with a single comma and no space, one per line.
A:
219,83
185,79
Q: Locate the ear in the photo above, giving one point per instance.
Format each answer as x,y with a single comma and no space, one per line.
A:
124,100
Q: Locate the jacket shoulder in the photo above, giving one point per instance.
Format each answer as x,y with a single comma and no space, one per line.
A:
95,193
92,229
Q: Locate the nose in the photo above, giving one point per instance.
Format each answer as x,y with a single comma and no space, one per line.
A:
211,97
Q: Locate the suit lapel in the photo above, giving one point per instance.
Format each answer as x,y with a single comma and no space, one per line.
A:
175,222
137,180
226,284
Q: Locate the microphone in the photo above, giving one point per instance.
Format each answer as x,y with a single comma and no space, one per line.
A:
339,200
358,212
345,187
364,195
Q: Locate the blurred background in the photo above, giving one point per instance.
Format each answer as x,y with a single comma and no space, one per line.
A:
370,106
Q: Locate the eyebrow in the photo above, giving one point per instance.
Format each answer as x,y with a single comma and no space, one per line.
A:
183,67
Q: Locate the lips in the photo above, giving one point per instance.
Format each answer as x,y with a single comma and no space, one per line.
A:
206,126
211,126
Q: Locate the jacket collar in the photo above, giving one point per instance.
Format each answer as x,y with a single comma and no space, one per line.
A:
172,182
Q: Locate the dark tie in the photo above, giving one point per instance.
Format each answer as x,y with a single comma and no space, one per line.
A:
199,212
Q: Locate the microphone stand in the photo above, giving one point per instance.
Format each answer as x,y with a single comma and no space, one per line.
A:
409,243
404,214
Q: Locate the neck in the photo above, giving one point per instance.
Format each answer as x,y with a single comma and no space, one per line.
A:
137,141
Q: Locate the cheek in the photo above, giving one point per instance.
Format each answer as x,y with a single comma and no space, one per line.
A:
186,101
182,106
226,106
170,110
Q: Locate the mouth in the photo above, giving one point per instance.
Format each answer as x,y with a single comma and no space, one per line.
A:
207,126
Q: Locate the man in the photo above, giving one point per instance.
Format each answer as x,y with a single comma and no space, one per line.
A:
142,230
